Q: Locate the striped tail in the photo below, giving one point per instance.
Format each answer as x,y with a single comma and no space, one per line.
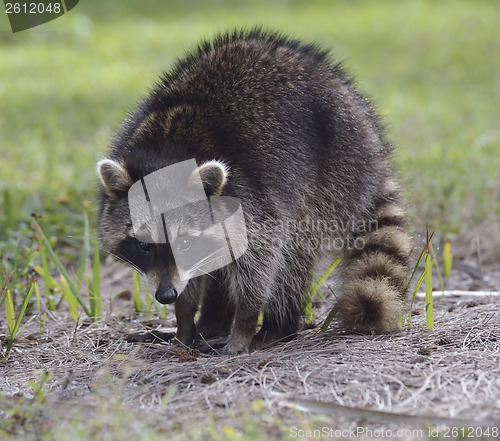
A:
372,298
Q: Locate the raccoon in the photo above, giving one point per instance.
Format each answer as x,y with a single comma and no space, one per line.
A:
274,123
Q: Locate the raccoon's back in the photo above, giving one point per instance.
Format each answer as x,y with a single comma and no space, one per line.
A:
278,112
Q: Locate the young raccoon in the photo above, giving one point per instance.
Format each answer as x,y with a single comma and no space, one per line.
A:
273,123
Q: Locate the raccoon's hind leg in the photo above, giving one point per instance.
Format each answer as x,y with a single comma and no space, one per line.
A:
281,323
283,310
376,273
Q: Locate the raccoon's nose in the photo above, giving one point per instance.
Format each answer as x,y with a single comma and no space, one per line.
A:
166,295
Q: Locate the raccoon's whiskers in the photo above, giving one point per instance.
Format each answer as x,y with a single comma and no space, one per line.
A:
127,261
209,275
205,261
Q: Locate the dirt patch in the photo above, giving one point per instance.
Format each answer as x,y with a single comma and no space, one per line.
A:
452,371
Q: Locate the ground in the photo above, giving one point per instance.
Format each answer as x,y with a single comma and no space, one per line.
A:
341,385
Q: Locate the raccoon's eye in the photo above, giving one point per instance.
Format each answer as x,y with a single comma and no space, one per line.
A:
184,244
144,247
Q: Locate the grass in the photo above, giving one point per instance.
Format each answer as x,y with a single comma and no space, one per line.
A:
430,66
97,420
13,319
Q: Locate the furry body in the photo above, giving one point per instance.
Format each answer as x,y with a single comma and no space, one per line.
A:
306,155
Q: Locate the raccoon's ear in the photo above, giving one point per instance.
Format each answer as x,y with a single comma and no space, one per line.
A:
214,176
113,176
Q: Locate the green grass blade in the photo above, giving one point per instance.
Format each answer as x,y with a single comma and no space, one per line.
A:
429,310
310,313
151,301
435,262
3,289
314,289
9,312
95,300
427,277
70,298
417,287
48,280
85,252
419,282
329,318
55,260
37,386
43,314
29,260
137,292
95,287
13,332
15,267
447,258
168,395
413,273
148,298
3,275
323,278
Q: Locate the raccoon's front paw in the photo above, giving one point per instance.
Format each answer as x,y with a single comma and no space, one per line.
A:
234,350
236,346
185,335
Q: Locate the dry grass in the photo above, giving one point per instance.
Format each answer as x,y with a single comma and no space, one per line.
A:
451,372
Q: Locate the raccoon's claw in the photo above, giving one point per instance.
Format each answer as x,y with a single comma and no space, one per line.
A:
231,350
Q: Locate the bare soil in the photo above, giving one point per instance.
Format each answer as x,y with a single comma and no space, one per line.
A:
413,377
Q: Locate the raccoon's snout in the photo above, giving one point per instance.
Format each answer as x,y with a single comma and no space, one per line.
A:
166,295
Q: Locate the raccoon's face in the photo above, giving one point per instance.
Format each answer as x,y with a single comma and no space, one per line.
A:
192,246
